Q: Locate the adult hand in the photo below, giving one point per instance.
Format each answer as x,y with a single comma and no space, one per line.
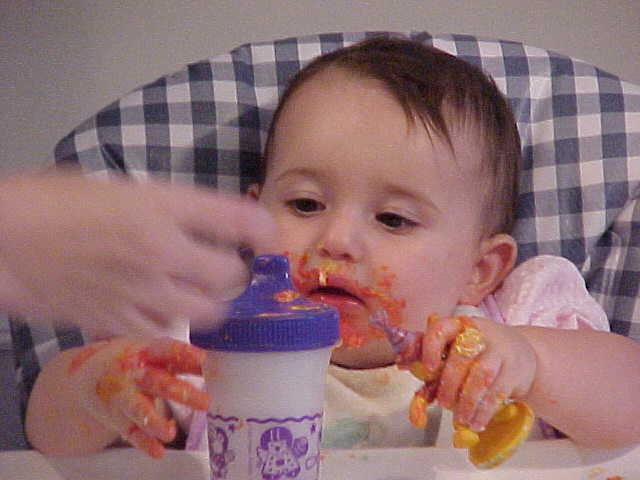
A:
122,257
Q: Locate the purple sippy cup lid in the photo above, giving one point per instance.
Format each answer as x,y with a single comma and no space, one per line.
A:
271,316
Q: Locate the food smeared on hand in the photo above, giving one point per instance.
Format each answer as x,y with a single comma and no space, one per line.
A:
127,380
509,426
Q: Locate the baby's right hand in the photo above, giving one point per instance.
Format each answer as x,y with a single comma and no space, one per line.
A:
121,381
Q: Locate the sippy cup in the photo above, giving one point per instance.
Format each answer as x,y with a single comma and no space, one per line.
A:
265,371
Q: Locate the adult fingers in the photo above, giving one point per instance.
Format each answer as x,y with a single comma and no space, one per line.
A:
13,297
123,321
131,321
217,272
153,311
223,218
163,307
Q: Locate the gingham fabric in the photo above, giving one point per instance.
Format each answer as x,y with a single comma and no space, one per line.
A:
579,126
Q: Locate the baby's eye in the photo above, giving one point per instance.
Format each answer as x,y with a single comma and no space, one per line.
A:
305,206
393,221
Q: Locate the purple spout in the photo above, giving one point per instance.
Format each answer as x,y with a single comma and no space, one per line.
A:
399,338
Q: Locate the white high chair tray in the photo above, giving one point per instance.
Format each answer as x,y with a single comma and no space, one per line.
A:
550,459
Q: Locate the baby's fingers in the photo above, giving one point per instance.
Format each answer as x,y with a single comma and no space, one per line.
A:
134,417
159,383
452,380
175,356
440,333
474,398
145,442
140,410
489,405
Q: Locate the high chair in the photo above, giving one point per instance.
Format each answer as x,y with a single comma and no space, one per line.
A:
579,127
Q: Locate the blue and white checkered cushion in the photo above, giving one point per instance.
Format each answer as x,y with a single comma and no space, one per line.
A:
579,126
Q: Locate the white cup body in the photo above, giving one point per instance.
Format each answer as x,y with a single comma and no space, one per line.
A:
265,417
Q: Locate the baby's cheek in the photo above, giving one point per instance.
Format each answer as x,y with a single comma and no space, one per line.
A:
417,312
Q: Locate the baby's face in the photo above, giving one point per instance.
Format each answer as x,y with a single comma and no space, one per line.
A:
372,212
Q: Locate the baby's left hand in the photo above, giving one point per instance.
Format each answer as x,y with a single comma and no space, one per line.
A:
475,378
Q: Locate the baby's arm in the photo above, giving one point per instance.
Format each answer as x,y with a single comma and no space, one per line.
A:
587,384
86,398
582,381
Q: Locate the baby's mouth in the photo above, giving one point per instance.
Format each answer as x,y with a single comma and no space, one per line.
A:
353,312
345,301
339,285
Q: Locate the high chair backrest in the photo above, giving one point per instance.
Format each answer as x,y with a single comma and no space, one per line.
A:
579,126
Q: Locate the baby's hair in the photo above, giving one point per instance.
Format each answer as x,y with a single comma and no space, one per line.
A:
442,92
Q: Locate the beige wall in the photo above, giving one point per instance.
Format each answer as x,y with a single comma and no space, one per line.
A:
61,60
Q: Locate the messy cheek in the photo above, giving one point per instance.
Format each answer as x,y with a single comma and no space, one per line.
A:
355,330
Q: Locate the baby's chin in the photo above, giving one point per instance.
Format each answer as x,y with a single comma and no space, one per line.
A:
375,353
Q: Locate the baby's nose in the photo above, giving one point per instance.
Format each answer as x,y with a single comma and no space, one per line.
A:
342,239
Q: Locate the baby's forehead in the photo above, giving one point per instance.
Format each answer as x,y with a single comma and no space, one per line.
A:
461,143
454,134
457,126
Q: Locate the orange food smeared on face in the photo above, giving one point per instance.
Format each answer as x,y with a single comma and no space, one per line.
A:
354,330
350,336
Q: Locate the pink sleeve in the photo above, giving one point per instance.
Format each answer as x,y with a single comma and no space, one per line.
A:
549,291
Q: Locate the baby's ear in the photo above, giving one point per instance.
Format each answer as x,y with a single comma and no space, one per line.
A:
496,259
253,191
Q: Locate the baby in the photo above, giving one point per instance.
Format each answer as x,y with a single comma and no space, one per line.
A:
391,171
